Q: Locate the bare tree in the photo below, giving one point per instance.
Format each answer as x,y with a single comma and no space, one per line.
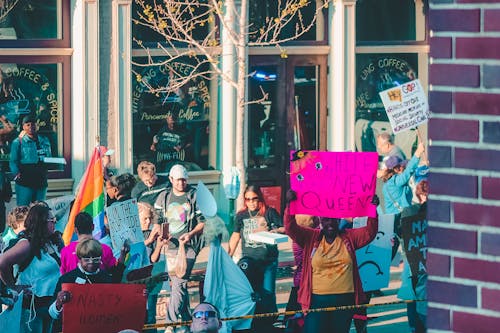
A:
190,33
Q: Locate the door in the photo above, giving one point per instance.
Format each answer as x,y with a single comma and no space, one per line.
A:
287,111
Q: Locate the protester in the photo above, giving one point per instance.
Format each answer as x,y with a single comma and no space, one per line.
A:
119,188
151,184
186,222
27,155
106,161
84,225
5,186
330,275
38,260
260,259
206,319
15,222
89,253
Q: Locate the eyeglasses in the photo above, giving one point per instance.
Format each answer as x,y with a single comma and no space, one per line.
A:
91,260
254,199
206,314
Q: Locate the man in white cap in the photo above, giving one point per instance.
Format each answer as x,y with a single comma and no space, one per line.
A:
185,223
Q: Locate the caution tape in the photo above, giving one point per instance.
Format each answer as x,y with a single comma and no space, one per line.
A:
287,313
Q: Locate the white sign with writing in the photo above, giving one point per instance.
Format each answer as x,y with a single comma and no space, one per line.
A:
406,106
123,220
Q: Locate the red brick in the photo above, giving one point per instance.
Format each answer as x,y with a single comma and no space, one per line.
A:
454,130
464,322
451,293
491,131
490,299
490,244
440,101
454,75
490,188
477,103
440,156
440,47
438,265
452,239
477,48
457,185
491,76
477,214
439,210
438,319
492,19
476,269
477,159
455,20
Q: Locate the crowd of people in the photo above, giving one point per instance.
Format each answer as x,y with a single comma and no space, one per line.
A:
35,260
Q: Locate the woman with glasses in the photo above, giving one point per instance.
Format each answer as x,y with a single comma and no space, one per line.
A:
37,258
258,260
89,253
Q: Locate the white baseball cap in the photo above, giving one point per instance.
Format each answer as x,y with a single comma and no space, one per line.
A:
178,172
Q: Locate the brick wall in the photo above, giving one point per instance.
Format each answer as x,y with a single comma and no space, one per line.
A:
464,209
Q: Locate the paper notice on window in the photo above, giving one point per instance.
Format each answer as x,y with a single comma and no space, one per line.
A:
406,106
268,237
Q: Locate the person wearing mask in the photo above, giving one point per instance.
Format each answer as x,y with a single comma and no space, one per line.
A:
330,275
260,258
151,184
206,319
37,256
27,155
179,208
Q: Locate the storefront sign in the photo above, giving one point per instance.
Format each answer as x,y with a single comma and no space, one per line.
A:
334,184
406,106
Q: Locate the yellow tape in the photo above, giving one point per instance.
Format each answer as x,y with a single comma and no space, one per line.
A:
286,313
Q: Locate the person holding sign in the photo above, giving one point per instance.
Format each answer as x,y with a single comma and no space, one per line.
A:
186,222
330,275
26,162
260,259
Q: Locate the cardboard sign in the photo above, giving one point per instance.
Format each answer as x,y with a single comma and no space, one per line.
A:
60,207
10,319
406,106
104,308
123,220
272,195
137,257
374,259
334,184
414,234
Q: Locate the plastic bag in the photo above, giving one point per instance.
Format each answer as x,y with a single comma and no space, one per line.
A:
181,262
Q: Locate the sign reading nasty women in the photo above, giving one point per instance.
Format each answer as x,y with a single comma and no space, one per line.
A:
104,308
414,234
406,106
333,184
123,220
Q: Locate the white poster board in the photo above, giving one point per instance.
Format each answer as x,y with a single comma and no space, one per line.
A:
406,106
123,220
374,259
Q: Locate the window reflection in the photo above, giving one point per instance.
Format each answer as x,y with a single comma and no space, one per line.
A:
306,99
30,19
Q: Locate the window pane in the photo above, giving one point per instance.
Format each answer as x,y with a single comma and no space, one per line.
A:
389,20
306,105
375,73
28,19
170,128
31,89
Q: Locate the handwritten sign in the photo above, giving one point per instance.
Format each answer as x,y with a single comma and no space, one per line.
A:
123,220
406,106
414,234
272,195
137,257
374,259
334,184
104,308
10,319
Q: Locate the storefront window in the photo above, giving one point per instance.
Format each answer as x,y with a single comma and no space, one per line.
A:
375,73
28,19
31,89
170,127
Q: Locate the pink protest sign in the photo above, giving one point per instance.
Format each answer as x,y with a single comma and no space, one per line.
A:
333,184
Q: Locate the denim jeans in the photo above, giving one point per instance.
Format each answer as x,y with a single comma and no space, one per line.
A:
26,195
332,321
269,279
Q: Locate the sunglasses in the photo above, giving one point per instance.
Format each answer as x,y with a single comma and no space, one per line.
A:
252,199
206,314
91,260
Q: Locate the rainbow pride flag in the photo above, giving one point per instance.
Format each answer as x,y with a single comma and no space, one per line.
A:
90,199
